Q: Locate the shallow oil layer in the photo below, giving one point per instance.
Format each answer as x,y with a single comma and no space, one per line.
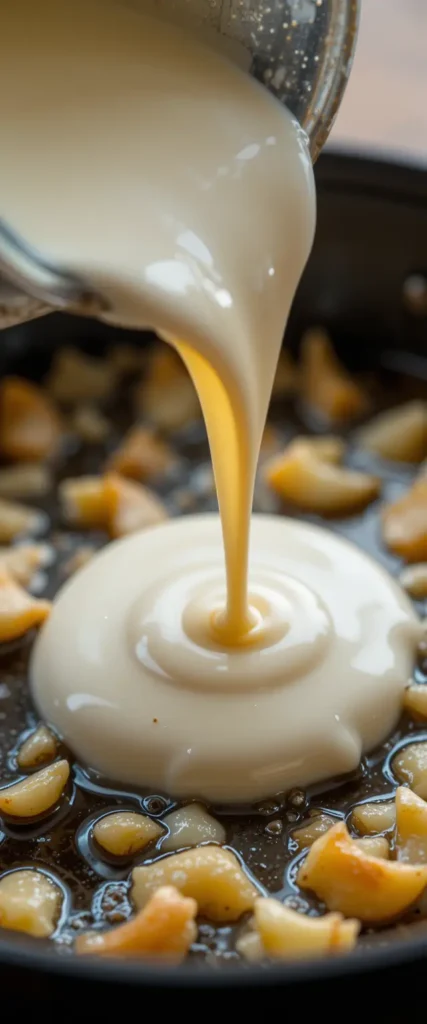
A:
61,844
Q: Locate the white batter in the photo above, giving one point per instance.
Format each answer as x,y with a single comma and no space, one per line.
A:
181,191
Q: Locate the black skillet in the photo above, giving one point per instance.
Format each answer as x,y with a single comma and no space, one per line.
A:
367,282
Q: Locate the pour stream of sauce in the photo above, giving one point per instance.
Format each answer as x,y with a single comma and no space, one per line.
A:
182,193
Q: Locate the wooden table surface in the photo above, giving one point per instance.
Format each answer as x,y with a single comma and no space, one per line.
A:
385,105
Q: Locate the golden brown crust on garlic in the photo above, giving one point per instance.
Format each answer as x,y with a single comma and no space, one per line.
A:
165,927
19,611
404,523
286,934
209,874
37,793
307,476
30,429
348,880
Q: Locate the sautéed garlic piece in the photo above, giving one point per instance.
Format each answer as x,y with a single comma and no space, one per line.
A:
166,397
85,502
307,833
191,825
307,476
25,480
371,818
210,875
414,580
164,927
326,387
374,846
76,378
132,506
30,429
124,833
411,827
398,434
344,877
17,520
415,701
40,746
90,424
141,455
410,766
19,611
37,793
404,523
24,561
285,934
30,902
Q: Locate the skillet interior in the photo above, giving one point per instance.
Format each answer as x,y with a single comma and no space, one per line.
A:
372,227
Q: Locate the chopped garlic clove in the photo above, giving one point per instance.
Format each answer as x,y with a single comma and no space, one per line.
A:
25,480
374,846
86,501
29,902
371,818
37,749
124,833
37,793
30,429
190,826
17,520
309,480
132,506
325,384
348,880
23,561
399,434
142,455
167,396
410,766
415,701
209,874
404,523
411,827
90,425
286,934
76,377
414,580
165,927
310,830
19,611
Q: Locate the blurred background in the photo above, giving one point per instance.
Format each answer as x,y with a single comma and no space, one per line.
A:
385,105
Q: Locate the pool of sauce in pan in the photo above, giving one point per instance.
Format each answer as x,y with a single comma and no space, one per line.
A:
97,889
